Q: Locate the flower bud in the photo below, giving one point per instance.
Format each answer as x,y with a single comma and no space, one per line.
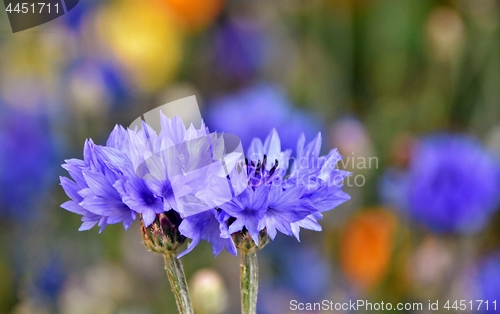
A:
244,242
163,235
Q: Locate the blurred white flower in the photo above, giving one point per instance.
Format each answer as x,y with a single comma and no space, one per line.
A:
209,294
97,290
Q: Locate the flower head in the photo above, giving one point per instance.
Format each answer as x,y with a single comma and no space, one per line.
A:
186,182
281,199
142,172
113,183
453,184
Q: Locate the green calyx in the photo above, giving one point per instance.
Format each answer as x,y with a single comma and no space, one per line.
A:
245,243
162,236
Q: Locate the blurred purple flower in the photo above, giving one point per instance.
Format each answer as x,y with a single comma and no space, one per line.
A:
301,271
27,161
49,279
75,17
91,81
307,272
239,48
488,283
453,184
393,188
255,111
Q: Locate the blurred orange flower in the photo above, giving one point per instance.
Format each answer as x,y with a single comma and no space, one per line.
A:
366,245
194,14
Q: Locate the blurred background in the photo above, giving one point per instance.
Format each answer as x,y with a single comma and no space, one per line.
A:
407,90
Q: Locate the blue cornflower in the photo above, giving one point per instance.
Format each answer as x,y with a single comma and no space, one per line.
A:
452,184
142,172
279,200
187,174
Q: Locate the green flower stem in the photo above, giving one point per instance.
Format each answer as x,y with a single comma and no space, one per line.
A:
249,281
177,279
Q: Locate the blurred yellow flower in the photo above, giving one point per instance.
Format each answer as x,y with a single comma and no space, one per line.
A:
445,32
366,245
143,38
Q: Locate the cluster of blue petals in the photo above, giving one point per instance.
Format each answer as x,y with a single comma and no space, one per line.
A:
215,192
